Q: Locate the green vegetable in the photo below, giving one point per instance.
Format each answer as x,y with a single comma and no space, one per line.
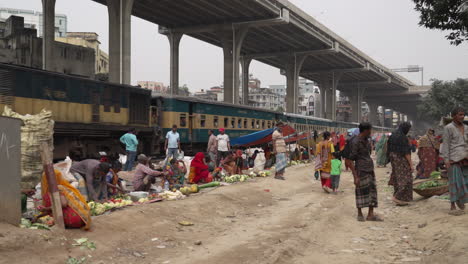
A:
84,243
430,184
208,185
435,175
71,260
25,223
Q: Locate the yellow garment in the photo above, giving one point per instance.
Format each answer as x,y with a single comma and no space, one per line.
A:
74,198
326,161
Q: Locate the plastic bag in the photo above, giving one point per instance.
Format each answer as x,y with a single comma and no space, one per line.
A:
259,163
180,155
64,168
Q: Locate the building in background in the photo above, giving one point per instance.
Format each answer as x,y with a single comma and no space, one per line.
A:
33,20
20,45
264,98
153,86
89,40
343,109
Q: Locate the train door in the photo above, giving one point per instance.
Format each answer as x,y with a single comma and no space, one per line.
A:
191,124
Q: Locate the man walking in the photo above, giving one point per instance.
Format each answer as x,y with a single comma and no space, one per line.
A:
131,143
455,154
363,172
223,145
212,145
172,144
279,148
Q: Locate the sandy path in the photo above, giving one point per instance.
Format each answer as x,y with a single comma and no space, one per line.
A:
295,222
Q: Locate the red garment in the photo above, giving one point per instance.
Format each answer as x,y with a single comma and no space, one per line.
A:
342,142
200,168
70,218
326,182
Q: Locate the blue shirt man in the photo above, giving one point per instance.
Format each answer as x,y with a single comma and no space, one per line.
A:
172,144
131,142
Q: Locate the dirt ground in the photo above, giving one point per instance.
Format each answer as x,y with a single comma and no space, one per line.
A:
260,221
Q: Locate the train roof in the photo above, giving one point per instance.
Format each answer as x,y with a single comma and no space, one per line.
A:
199,100
70,76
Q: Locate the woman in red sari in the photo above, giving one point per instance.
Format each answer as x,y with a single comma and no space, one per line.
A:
428,155
199,170
342,142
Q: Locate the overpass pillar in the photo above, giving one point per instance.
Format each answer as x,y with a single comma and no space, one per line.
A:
292,69
120,12
245,62
232,44
373,113
328,86
48,34
356,104
174,43
322,101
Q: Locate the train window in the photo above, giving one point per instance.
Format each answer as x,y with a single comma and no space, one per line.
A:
202,120
183,120
226,122
107,98
215,121
258,124
233,122
253,123
269,124
239,123
263,124
245,123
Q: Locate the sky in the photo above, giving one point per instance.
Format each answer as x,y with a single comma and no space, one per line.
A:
386,30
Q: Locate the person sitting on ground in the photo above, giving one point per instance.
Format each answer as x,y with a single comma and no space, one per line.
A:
94,173
239,161
114,183
145,176
177,171
229,164
76,212
199,170
335,171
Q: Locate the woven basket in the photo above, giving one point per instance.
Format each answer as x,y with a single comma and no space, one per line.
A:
429,192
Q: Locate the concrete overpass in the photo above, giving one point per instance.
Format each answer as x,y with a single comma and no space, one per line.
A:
274,32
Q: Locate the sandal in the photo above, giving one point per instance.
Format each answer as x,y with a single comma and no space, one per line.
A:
375,218
360,218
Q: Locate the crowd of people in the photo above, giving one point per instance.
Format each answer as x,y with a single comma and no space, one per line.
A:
97,180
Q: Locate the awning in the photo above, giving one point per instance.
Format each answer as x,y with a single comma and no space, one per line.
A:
260,137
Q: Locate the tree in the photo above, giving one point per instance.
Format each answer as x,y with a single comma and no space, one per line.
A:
449,15
442,98
184,90
279,109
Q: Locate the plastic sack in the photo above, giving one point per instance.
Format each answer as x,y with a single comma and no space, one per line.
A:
259,163
64,168
180,155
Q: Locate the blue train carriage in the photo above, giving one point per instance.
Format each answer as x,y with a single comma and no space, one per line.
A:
89,115
194,117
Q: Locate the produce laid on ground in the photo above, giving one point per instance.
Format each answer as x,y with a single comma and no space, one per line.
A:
100,208
236,178
172,196
25,223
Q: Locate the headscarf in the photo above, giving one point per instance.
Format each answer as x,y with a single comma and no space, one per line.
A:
198,162
75,199
428,141
398,142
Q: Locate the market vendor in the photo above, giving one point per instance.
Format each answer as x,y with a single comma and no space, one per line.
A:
94,173
177,171
199,170
114,183
76,212
144,175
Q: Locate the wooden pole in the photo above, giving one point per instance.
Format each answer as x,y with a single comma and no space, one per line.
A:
57,211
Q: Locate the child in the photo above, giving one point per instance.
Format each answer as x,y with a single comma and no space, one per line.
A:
114,183
335,171
177,171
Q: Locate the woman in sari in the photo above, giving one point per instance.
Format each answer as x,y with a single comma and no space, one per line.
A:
76,212
199,170
399,149
323,160
428,155
381,151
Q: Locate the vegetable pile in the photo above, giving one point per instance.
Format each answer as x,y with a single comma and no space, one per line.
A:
236,178
25,223
171,196
100,208
436,175
431,184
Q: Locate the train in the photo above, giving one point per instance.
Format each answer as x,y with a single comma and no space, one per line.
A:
90,116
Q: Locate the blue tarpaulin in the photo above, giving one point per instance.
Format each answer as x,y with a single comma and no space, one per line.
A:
247,139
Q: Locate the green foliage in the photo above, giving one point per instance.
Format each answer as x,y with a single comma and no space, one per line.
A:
442,98
184,90
447,15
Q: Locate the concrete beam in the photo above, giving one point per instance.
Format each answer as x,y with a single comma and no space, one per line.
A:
48,38
388,81
283,18
292,69
343,70
245,63
289,53
174,43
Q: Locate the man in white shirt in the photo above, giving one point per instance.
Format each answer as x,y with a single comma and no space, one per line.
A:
223,145
172,144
